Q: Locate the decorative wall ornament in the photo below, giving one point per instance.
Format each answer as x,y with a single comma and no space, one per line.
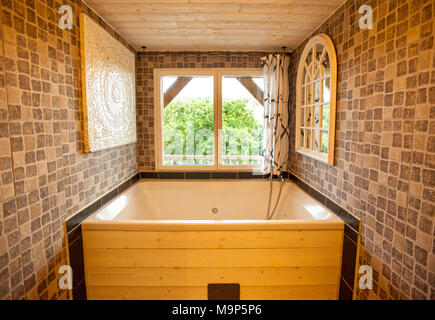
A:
316,89
108,86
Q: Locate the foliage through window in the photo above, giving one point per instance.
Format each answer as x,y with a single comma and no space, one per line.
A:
209,118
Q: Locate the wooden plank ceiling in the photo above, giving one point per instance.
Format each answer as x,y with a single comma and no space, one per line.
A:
247,25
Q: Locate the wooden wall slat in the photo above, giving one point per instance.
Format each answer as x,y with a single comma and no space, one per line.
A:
213,239
97,276
323,292
291,264
189,258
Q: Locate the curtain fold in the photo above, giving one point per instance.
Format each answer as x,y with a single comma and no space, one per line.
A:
276,118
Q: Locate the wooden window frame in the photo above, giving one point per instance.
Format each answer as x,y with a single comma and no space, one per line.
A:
217,73
300,147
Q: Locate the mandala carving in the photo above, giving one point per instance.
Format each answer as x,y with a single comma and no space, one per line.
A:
108,83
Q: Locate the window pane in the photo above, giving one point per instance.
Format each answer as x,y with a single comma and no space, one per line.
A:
308,139
188,117
325,116
317,92
242,120
326,90
302,138
309,95
316,141
325,141
308,117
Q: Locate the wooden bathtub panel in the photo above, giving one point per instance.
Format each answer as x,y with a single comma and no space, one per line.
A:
97,276
147,293
213,239
185,258
306,292
322,292
283,264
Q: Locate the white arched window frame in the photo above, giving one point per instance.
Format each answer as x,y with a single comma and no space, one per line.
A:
316,89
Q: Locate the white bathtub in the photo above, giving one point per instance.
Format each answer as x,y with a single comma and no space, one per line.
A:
170,239
206,203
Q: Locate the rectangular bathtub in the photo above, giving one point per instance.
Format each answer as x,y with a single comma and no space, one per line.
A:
170,239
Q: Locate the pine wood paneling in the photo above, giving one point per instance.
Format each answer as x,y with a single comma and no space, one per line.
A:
281,264
215,25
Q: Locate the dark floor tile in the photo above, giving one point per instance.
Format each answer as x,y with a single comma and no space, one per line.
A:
224,175
249,175
292,177
352,221
109,196
318,196
339,211
149,175
76,260
348,260
303,186
79,293
351,233
74,234
171,175
77,219
198,175
124,186
345,292
135,178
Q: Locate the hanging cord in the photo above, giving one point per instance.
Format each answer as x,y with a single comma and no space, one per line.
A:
281,178
269,215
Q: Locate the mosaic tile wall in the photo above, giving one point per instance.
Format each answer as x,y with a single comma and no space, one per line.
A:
384,169
45,176
145,64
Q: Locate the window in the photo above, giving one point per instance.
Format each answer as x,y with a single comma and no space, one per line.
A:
209,119
315,99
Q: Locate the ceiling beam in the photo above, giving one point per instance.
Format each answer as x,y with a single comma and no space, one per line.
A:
175,89
253,89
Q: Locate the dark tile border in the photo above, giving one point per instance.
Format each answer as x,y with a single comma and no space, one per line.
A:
197,175
79,217
224,175
345,293
350,239
75,241
348,262
204,175
352,224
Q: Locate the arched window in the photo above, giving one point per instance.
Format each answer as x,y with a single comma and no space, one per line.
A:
316,99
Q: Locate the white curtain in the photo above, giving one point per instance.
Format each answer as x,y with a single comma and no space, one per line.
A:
276,118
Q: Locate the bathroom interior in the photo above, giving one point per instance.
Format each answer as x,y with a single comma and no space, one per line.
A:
217,150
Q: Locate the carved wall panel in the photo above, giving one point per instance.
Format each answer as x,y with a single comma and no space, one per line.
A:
108,84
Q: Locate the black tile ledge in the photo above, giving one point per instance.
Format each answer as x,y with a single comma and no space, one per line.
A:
79,217
206,175
345,293
223,175
198,175
350,221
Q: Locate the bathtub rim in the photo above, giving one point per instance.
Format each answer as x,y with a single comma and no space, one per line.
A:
211,225
93,223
